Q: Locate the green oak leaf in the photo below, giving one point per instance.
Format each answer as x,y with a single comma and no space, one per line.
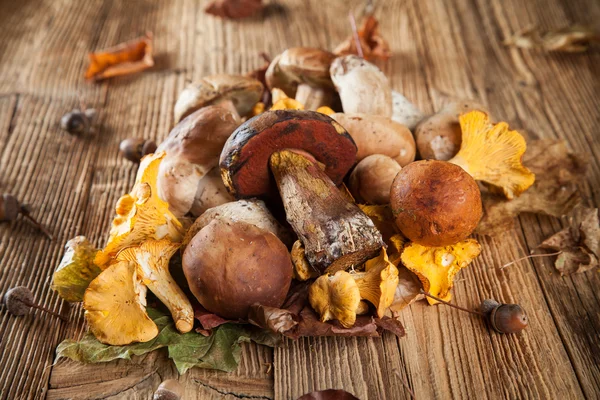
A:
221,350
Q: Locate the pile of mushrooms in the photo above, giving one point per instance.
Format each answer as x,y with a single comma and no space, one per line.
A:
321,185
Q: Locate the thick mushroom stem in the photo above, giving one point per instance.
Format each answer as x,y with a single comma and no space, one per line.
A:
230,106
335,232
313,97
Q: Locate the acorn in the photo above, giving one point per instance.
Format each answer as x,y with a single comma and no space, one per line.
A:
170,389
19,301
77,122
10,208
504,318
134,149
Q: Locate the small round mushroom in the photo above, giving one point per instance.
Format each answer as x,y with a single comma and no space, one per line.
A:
308,154
439,136
375,134
435,203
236,93
363,88
371,180
193,148
303,73
231,265
251,211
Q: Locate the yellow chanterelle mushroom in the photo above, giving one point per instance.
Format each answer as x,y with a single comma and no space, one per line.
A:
335,297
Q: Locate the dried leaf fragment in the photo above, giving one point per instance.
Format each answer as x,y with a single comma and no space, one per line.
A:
554,192
571,39
76,269
122,59
373,45
328,394
437,266
233,9
579,243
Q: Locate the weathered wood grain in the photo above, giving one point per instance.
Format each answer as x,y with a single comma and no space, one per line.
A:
441,49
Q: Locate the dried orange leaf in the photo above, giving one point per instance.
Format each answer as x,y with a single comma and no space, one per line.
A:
373,45
233,9
579,243
571,39
437,266
554,192
123,59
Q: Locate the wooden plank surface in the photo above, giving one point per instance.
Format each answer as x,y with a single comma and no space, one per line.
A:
441,49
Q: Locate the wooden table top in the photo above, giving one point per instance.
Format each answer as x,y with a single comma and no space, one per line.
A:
440,48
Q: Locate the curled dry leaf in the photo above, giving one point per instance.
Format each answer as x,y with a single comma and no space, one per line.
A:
579,243
233,9
373,45
408,290
275,319
329,394
571,39
123,59
554,192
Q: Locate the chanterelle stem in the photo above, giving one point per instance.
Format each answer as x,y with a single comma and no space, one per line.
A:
335,232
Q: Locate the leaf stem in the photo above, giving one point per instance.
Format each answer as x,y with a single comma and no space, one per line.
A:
359,49
451,305
44,309
530,256
41,228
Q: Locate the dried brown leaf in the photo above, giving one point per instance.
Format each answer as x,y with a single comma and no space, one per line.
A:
329,394
233,9
554,192
408,290
579,242
571,39
274,319
122,59
373,45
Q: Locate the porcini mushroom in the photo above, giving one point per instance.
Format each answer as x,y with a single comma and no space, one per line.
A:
435,203
377,284
303,73
493,154
141,214
295,144
439,136
335,296
371,179
152,260
236,93
231,265
251,211
211,192
404,112
115,306
363,88
192,150
375,134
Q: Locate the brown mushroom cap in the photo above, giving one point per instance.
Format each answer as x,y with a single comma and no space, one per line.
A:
372,178
300,65
230,266
244,92
435,203
245,157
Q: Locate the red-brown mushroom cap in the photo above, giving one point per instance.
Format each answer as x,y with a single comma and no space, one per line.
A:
245,157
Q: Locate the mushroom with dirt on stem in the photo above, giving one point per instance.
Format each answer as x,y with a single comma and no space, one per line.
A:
308,154
192,152
152,261
362,86
236,93
375,134
232,265
404,112
303,74
371,180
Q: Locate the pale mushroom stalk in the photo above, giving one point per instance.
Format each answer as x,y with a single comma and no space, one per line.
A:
313,97
152,260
